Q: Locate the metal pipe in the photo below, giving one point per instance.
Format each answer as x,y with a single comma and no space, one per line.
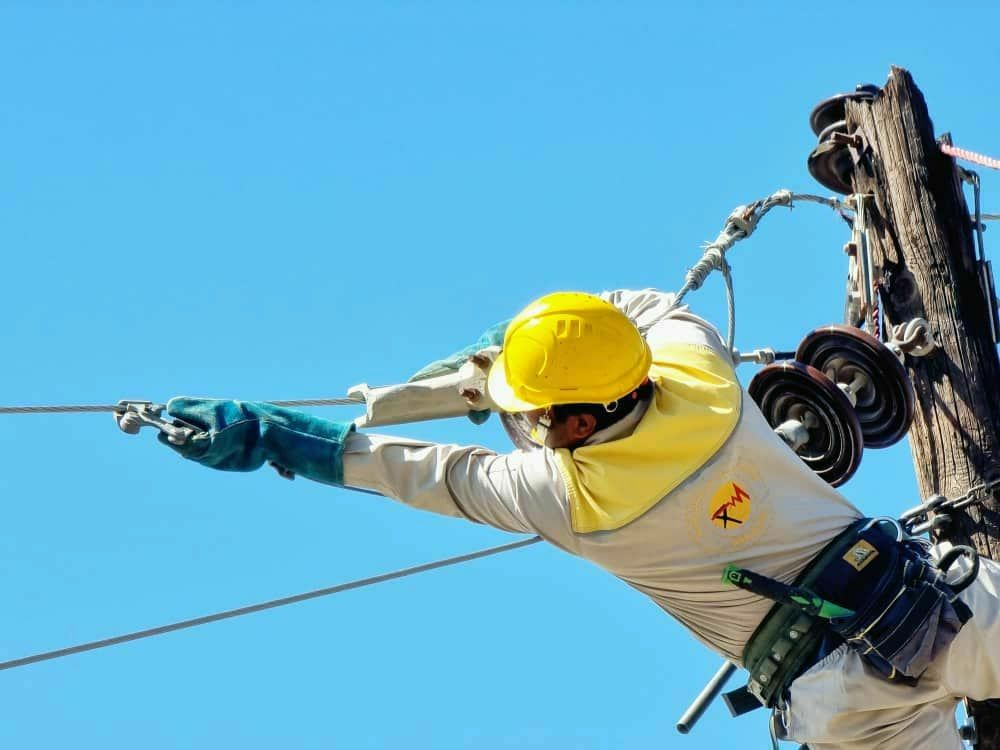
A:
708,694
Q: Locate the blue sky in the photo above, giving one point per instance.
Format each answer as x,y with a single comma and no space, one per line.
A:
270,201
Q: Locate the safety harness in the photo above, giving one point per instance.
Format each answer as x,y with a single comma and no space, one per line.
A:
871,588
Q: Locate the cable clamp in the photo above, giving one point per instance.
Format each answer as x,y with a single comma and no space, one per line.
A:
783,197
744,219
135,415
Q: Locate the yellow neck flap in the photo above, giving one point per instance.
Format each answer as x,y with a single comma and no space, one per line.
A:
695,407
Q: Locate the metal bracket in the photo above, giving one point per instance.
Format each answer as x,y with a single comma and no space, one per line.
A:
854,312
869,276
984,267
968,732
856,143
138,414
764,356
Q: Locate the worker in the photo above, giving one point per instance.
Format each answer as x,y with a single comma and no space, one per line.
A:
652,463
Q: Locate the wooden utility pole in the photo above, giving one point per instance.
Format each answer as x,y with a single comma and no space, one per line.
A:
921,235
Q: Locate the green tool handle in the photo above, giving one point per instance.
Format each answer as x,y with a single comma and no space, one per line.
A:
777,591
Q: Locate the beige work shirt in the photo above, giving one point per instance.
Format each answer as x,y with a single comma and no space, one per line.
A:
754,503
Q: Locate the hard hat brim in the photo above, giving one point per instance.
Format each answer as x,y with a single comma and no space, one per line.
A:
500,391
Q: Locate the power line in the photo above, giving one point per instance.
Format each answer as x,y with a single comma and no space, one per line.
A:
62,409
272,604
119,408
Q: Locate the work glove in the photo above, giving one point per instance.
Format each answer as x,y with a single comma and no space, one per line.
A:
484,350
244,435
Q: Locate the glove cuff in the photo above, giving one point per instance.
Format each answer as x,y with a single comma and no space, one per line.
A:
303,444
244,435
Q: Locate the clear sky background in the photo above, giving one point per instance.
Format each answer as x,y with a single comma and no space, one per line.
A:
273,201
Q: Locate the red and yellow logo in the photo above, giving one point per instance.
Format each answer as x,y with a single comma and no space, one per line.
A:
730,506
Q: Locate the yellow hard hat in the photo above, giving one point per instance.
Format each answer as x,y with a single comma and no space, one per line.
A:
568,348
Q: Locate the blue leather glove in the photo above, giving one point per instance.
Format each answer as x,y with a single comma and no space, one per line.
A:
243,435
492,336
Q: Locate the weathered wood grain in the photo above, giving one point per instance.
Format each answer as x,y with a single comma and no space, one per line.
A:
922,237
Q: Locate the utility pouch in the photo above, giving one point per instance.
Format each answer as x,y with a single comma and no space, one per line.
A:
904,611
900,611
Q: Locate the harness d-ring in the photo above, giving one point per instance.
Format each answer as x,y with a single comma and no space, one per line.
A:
948,559
877,521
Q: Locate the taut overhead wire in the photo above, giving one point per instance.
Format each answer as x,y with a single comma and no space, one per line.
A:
119,408
272,604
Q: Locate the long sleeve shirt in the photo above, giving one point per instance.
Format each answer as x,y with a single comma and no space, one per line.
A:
753,502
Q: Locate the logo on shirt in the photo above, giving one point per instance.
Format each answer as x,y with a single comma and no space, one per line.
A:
730,506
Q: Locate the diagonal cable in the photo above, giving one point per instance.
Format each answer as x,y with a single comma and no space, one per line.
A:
272,604
740,224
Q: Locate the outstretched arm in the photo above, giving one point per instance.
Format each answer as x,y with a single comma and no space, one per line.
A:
520,491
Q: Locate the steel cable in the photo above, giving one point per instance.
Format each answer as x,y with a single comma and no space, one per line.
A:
741,223
118,408
273,603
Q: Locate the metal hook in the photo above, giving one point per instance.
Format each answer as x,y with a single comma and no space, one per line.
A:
949,558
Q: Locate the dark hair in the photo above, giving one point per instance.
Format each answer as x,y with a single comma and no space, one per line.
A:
604,418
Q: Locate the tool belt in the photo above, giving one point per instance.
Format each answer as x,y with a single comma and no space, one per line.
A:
879,593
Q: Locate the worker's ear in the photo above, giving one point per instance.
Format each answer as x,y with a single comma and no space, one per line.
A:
581,426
